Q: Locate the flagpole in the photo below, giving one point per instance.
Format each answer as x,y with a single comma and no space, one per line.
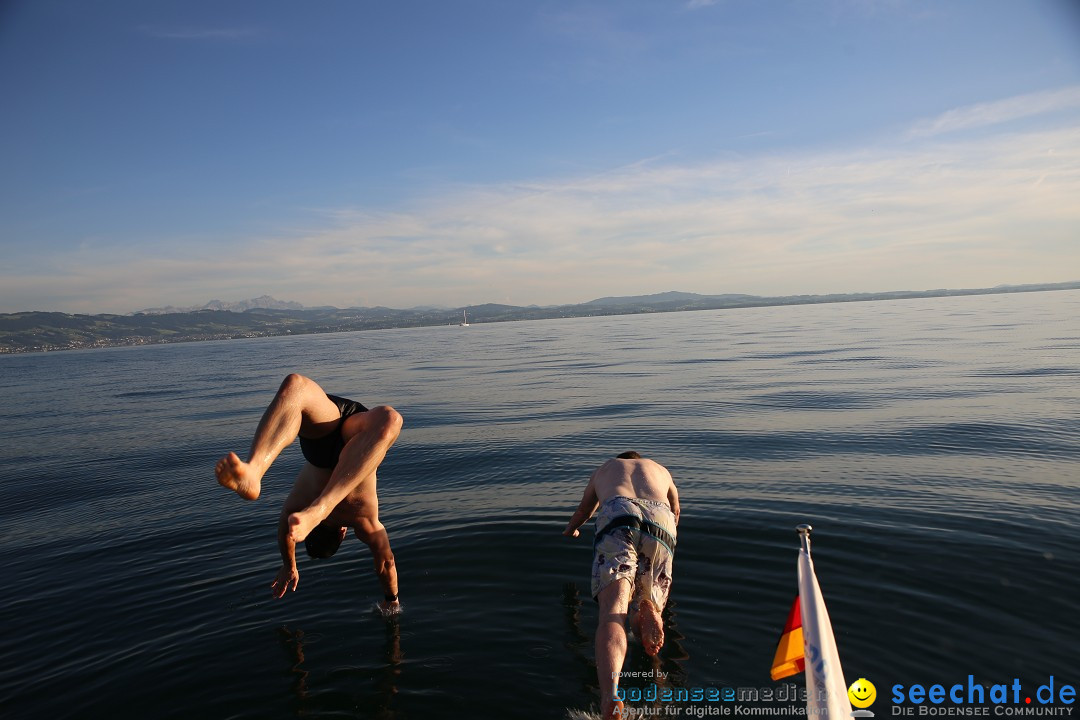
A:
825,687
804,536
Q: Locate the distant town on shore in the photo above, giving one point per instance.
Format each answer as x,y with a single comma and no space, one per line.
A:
265,316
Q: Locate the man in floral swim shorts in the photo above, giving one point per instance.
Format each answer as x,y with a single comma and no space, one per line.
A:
632,557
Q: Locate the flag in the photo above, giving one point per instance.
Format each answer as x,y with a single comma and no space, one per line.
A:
826,691
789,653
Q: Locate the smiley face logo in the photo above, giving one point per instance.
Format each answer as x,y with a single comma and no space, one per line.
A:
862,693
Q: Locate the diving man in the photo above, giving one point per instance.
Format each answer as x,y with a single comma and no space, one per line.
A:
343,443
633,552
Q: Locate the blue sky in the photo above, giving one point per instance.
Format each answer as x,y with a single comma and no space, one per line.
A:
458,152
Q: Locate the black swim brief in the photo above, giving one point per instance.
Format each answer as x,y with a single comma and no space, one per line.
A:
323,452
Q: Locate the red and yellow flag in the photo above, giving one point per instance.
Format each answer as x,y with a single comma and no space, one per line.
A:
789,653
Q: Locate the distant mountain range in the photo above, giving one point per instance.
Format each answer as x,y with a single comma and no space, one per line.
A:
265,316
263,302
667,297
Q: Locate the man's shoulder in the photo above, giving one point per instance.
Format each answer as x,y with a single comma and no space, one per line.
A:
625,468
612,465
652,464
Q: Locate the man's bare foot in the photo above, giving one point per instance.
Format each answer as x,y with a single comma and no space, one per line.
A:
649,627
613,711
301,524
239,476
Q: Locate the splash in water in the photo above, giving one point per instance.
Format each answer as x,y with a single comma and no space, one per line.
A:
388,612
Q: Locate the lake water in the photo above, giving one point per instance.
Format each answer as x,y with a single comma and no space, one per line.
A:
933,444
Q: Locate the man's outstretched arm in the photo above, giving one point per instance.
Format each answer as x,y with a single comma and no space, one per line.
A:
373,534
673,501
301,494
288,577
586,508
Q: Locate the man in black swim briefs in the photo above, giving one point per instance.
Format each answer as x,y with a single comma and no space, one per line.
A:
633,552
343,443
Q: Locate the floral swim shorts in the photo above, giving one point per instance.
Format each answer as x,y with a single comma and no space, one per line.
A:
635,541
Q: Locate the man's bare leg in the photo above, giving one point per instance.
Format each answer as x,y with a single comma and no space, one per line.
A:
300,405
648,626
368,437
611,645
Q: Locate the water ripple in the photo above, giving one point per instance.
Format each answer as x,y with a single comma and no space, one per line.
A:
932,444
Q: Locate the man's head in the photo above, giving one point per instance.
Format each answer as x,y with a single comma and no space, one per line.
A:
324,540
629,455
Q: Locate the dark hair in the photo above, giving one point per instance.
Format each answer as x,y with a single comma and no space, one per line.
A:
629,455
323,541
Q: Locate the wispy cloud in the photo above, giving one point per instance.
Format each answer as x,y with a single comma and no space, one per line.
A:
193,33
695,4
946,215
999,111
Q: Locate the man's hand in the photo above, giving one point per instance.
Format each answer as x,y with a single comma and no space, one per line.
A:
287,579
389,607
586,508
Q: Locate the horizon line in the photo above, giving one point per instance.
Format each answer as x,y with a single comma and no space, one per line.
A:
190,309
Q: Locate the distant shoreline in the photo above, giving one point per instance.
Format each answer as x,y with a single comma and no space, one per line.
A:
49,332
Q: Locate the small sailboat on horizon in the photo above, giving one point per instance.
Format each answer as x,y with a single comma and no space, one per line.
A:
464,319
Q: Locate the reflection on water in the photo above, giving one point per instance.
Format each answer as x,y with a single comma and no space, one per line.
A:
579,642
933,445
387,682
311,696
293,643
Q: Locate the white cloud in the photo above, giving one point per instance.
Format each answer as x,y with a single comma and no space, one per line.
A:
949,211
860,221
997,112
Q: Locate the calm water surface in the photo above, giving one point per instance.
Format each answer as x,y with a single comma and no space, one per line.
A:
933,444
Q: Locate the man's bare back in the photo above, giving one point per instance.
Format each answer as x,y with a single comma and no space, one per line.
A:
637,478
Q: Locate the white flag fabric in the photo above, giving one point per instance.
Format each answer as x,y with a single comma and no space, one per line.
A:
826,690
